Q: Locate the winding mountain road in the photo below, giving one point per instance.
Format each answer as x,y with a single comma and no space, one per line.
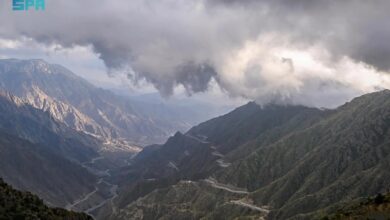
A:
215,152
85,198
198,139
113,189
95,159
114,194
250,206
213,183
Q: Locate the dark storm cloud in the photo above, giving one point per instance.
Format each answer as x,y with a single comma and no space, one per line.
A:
189,43
195,78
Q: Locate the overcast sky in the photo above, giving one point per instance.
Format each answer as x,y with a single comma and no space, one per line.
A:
311,52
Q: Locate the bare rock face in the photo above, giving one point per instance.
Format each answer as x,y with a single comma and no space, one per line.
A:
63,112
80,105
42,155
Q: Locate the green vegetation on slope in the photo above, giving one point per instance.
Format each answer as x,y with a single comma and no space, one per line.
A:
39,154
190,200
296,164
377,207
24,205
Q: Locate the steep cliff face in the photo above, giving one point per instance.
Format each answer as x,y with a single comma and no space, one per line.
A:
63,112
42,155
77,103
23,120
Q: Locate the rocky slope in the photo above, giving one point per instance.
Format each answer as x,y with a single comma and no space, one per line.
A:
344,156
40,170
292,160
23,120
205,148
41,155
63,112
82,106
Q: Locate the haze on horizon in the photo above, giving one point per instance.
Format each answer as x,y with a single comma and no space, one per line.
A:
311,52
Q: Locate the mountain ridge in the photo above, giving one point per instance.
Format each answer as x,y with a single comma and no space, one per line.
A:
105,114
304,163
110,116
42,155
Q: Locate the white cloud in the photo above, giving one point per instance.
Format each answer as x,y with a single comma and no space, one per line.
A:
311,52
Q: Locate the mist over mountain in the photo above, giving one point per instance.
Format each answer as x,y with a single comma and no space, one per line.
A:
312,52
75,146
257,161
68,136
77,103
195,110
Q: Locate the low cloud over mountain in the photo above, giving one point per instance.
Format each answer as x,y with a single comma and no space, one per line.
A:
335,50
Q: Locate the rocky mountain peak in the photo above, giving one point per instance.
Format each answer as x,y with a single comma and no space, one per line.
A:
81,105
26,66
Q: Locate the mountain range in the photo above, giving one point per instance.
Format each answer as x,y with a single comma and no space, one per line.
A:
276,162
77,147
42,155
60,136
85,107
